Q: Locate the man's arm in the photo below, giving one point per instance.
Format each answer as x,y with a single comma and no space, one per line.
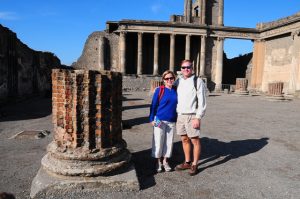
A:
201,95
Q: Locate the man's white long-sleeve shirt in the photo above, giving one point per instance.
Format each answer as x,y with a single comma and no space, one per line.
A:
187,96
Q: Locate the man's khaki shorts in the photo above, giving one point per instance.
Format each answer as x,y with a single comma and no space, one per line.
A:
184,126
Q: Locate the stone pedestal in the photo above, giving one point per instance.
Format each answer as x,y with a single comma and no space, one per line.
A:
86,107
241,86
275,91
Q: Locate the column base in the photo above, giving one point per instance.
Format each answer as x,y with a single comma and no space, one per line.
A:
85,163
241,93
277,98
49,185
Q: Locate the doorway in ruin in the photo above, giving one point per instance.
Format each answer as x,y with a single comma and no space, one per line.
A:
237,60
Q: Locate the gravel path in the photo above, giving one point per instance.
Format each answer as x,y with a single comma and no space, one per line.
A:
250,149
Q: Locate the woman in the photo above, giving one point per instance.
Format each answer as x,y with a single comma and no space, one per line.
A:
163,117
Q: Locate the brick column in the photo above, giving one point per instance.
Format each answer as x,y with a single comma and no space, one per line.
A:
275,91
154,84
241,86
87,124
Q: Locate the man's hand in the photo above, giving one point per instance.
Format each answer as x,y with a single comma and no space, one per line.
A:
196,123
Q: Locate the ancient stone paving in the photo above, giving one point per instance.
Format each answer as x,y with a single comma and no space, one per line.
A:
250,150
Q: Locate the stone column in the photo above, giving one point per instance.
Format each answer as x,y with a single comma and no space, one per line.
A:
202,56
172,53
87,116
156,51
187,46
101,55
221,13
122,52
219,64
140,53
203,13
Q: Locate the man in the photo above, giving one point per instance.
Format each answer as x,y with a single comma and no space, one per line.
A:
190,108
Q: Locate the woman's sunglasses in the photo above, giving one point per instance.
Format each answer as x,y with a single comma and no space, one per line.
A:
169,78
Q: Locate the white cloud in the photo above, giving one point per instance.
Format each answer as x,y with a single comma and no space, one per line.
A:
8,16
156,8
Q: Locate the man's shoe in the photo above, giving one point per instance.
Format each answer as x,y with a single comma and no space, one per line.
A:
159,167
194,170
183,166
167,167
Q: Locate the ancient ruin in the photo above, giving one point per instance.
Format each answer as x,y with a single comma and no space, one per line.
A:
241,86
147,48
23,71
87,116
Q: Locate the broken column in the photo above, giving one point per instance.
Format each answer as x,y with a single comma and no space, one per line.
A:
241,86
86,107
154,84
275,91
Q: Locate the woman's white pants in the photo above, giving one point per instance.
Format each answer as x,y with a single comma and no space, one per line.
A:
162,142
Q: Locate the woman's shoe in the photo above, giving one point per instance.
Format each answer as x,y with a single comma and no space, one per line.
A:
159,167
167,167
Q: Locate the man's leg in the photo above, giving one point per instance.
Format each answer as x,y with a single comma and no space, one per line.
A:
186,145
197,149
196,154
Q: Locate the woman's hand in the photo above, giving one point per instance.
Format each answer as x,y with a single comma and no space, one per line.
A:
152,123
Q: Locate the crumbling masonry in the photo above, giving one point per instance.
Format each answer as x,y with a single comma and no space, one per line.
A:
147,48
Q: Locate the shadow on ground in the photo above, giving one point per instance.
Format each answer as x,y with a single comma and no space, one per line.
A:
128,124
214,152
28,109
136,107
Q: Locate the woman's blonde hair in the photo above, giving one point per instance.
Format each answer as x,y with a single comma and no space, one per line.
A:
168,72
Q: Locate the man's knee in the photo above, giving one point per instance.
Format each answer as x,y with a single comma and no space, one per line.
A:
196,141
185,139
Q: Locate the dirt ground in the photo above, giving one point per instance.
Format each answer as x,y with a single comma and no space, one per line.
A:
250,149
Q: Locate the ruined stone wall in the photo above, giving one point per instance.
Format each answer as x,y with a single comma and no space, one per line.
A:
278,60
277,23
94,51
23,71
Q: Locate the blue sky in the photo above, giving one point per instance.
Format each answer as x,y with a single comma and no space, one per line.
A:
62,26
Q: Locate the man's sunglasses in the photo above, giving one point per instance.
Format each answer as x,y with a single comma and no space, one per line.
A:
186,67
169,78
